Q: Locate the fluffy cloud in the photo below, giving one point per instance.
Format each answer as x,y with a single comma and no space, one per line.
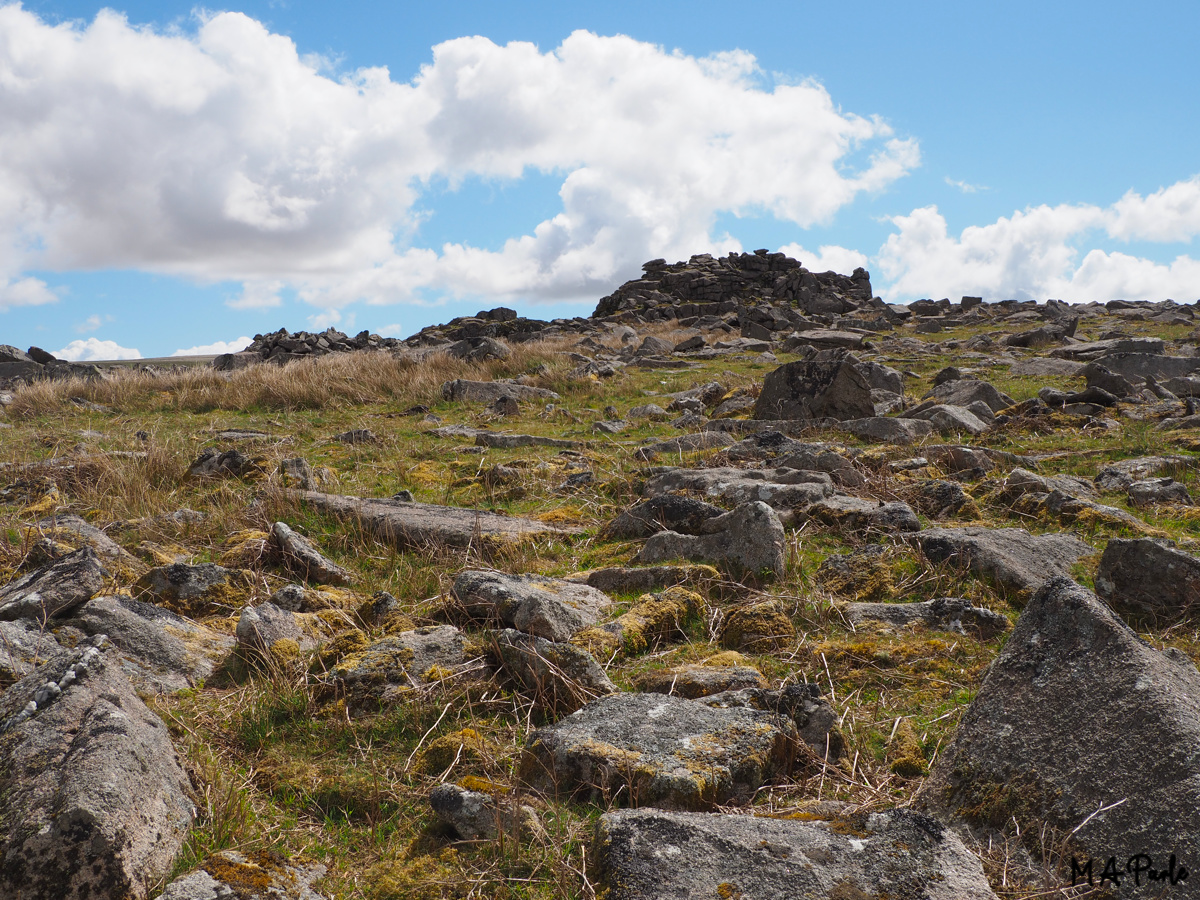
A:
216,348
23,291
224,155
94,348
829,258
1035,253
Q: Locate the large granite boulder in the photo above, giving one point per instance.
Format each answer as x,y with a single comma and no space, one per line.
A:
829,384
547,607
54,589
1014,559
750,537
561,677
203,590
655,750
648,854
159,650
1082,728
93,802
1148,579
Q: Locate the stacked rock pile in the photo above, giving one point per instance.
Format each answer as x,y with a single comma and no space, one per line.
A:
19,367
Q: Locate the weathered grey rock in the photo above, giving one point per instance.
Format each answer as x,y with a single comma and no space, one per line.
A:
965,391
948,419
1118,385
478,349
301,555
940,499
254,876
1187,386
779,488
1149,579
1140,365
1022,481
512,441
93,803
561,677
392,665
651,411
654,750
700,680
645,854
801,704
260,627
854,514
547,607
886,430
158,650
792,454
751,536
24,645
624,579
77,532
472,815
489,391
214,462
297,473
686,443
1082,727
942,613
1012,557
291,597
829,384
422,525
195,590
54,589
1159,490
665,512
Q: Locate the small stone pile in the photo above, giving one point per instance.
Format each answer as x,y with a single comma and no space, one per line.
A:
19,367
283,346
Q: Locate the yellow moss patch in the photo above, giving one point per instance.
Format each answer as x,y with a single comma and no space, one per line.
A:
654,618
761,627
245,549
483,786
564,515
44,505
285,651
346,643
466,748
162,554
904,750
432,877
726,658
426,474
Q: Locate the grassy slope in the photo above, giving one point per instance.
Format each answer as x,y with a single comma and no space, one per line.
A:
277,768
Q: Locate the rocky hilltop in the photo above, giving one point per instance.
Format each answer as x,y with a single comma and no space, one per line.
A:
749,585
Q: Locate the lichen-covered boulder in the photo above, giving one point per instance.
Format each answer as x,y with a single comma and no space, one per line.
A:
194,591
561,677
547,607
1149,580
653,619
750,538
54,589
1084,730
655,750
93,802
829,384
646,854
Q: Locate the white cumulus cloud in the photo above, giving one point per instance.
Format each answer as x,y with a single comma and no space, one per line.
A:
216,348
1041,252
223,154
94,348
828,258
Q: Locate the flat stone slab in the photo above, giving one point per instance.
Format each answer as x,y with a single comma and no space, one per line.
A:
1014,558
424,524
512,441
942,613
489,391
646,854
655,750
779,488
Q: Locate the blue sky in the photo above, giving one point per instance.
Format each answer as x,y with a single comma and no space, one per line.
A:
175,177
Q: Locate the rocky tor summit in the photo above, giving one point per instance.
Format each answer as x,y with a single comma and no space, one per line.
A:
748,585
